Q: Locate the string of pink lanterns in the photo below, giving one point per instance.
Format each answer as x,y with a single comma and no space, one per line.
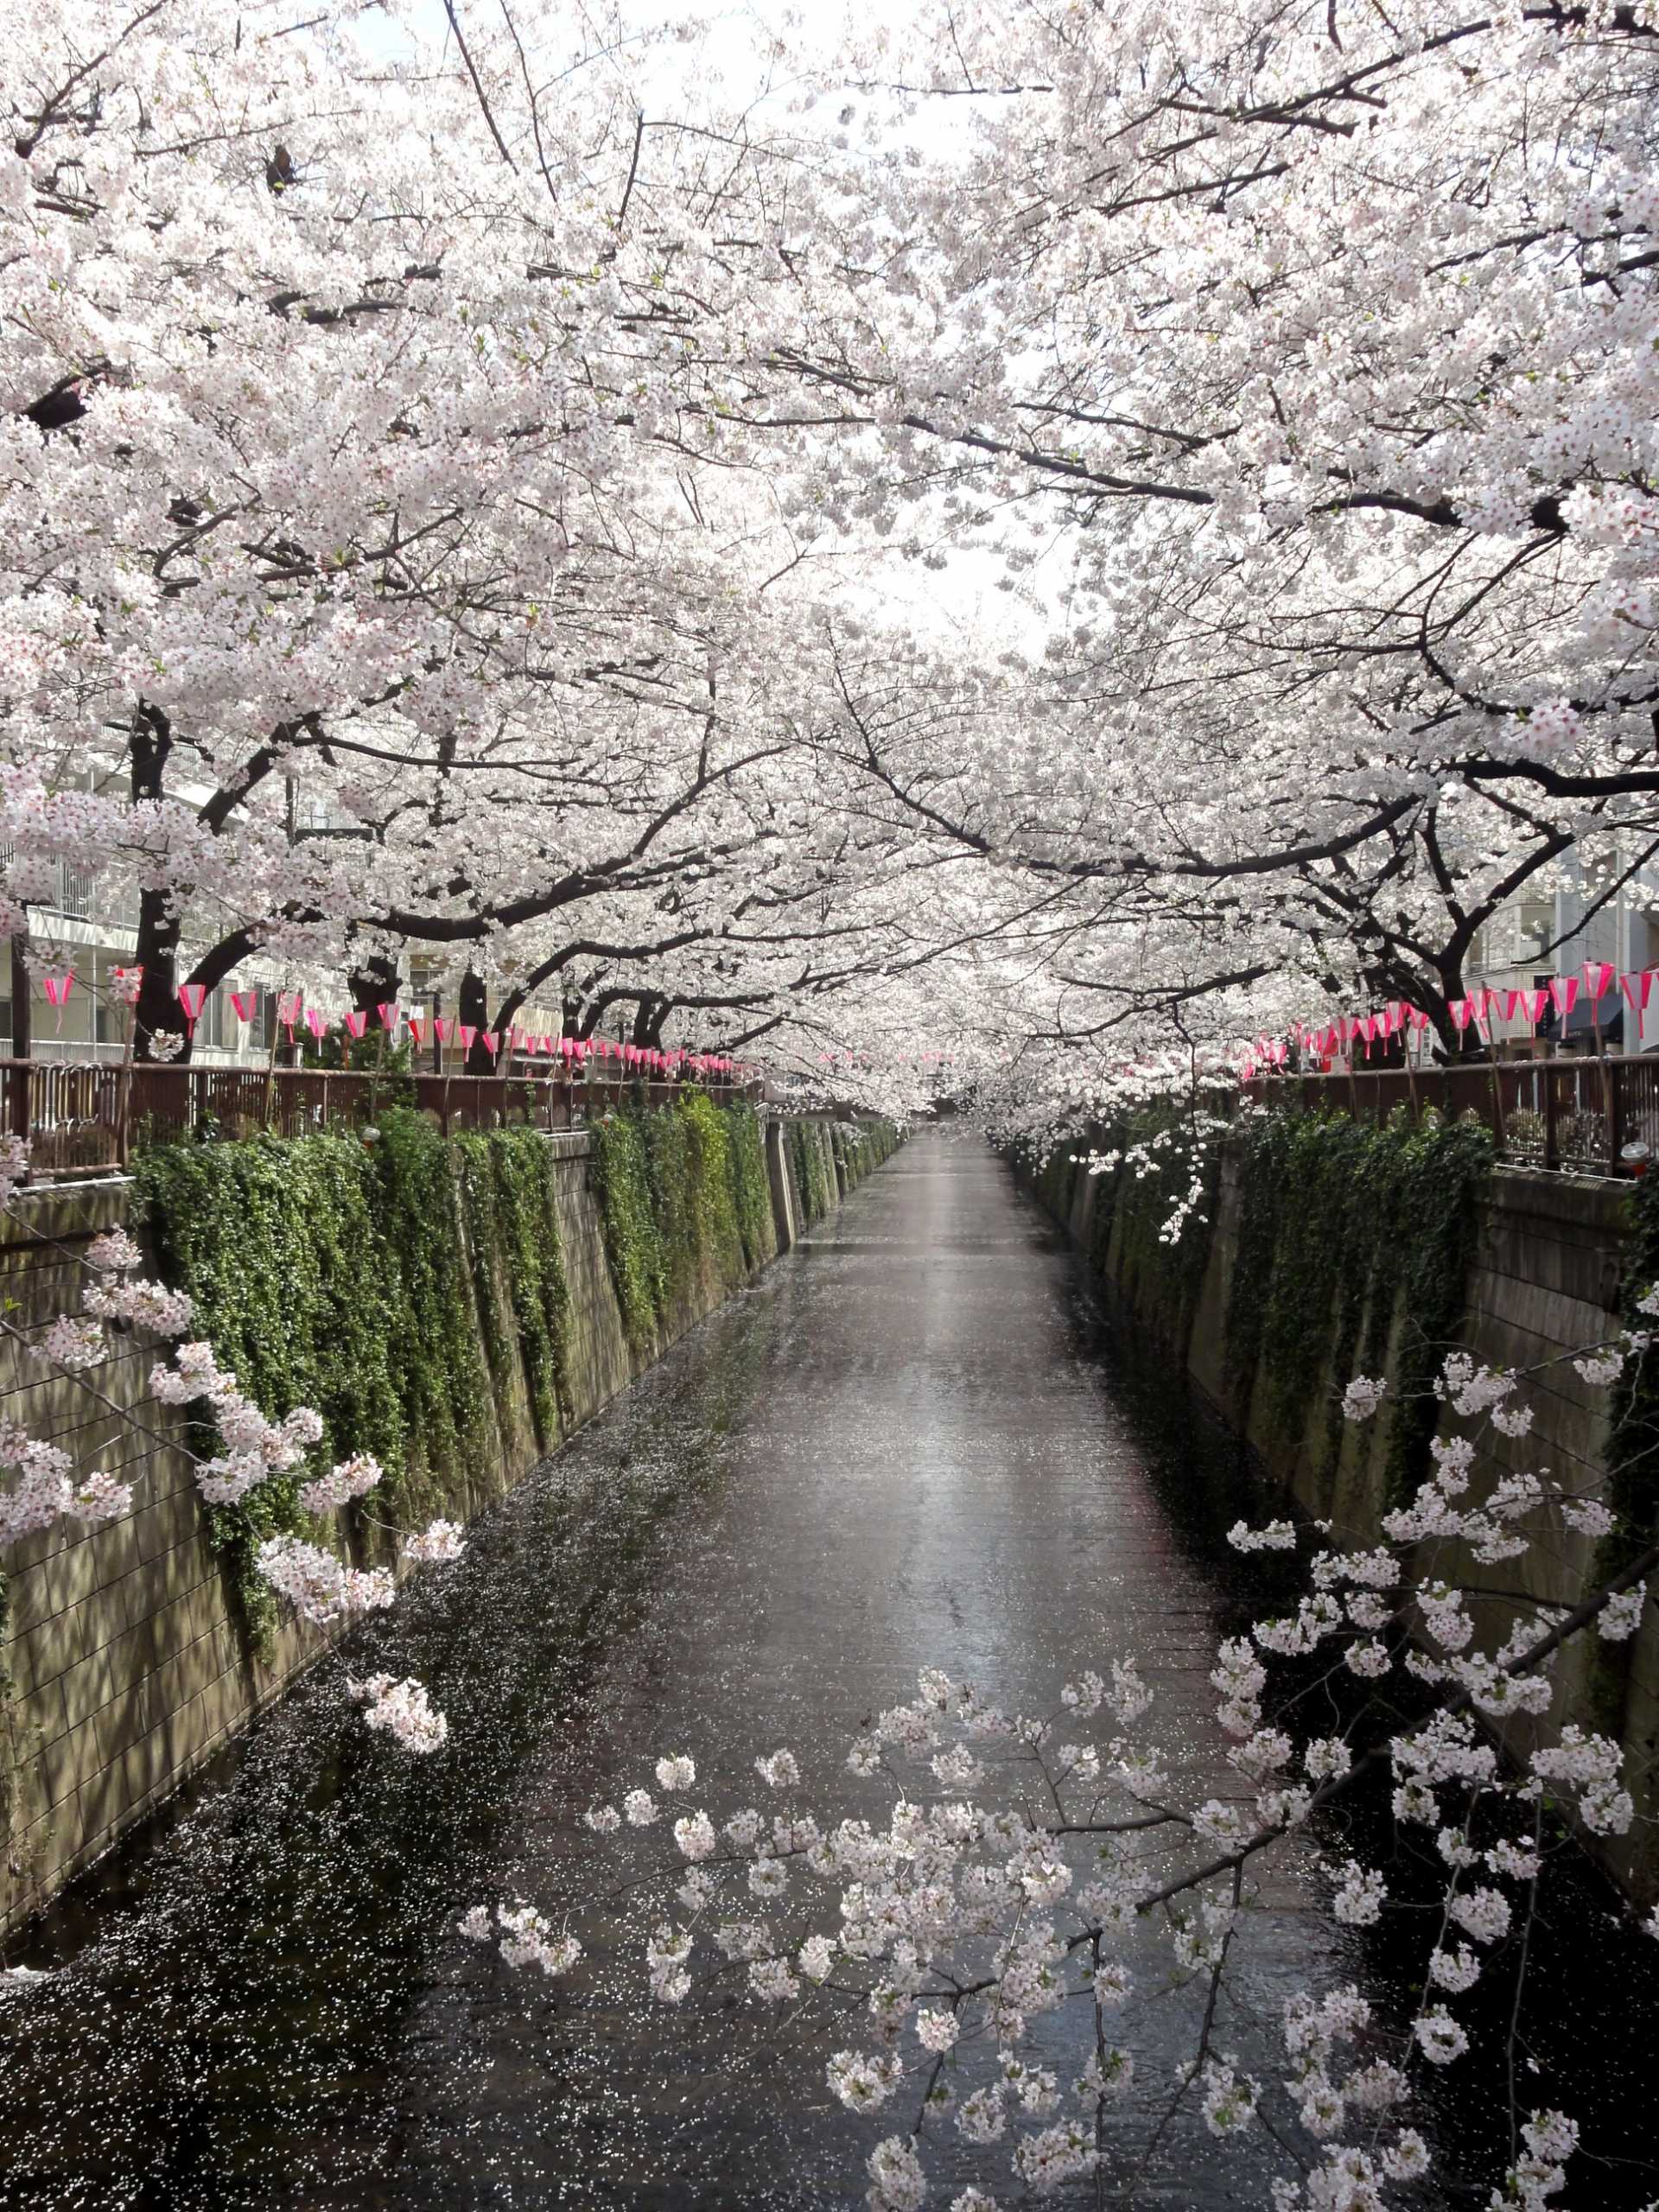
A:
566,1055
1561,994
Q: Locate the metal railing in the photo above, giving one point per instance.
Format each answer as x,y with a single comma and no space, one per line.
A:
80,1117
1576,1115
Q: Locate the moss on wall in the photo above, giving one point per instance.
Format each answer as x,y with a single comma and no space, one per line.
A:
685,1204
1355,1244
387,1286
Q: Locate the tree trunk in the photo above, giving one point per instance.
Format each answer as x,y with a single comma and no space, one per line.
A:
23,1027
475,1012
158,1009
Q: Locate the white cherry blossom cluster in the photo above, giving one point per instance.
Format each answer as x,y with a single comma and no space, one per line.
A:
347,1479
439,1543
402,1709
321,1588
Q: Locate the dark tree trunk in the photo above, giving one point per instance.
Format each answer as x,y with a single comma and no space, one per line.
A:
22,1026
475,1013
158,1008
373,982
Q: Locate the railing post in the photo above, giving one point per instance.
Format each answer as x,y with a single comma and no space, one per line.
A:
1617,1070
1552,1133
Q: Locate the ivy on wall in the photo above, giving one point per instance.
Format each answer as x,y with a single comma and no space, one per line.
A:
1364,1268
1354,1247
811,1166
685,1205
330,1274
1154,1157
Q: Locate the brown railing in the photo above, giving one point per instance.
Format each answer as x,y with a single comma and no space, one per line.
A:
1577,1114
80,1117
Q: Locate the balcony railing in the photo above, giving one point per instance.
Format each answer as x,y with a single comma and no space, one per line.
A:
82,1117
1577,1116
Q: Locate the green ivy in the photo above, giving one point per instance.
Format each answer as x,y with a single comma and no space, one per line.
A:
811,1166
361,1281
1355,1243
526,1224
622,1179
1155,1159
685,1204
751,1193
400,1287
1354,1247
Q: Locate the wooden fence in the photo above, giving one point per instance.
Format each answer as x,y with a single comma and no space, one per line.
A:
79,1117
1579,1115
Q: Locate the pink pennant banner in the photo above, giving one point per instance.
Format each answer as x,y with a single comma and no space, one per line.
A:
1532,1004
1563,992
287,1012
317,1022
1637,990
1598,975
418,1029
492,1042
465,1033
192,997
1511,1001
391,1015
58,988
356,1020
246,1004
1460,1011
442,1023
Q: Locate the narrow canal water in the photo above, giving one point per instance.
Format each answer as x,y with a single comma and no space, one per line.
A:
914,1441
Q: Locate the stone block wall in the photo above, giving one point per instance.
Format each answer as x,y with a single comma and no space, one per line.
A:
125,1669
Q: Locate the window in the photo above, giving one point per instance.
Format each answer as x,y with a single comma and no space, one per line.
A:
1535,923
74,893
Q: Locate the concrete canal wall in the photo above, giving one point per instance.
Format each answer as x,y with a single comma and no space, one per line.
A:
1542,1279
126,1661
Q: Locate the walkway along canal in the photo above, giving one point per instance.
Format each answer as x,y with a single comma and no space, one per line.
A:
915,1440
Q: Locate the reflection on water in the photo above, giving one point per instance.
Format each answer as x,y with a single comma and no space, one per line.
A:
918,1441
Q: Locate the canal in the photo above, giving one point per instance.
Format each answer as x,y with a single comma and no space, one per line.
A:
917,1440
